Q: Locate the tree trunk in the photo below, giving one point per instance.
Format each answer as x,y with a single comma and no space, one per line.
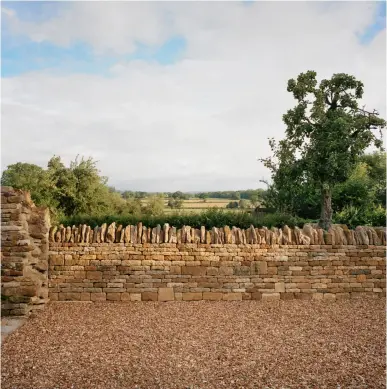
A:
326,209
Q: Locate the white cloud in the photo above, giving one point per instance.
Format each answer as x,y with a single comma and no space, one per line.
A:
199,123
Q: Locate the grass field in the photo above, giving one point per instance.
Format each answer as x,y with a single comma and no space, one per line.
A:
198,205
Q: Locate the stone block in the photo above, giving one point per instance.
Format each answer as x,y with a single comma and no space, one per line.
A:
125,296
194,270
175,270
212,271
256,296
279,287
113,296
342,296
57,260
212,296
85,296
232,296
98,296
192,296
272,270
166,294
226,271
94,275
361,278
29,290
270,296
135,297
317,296
72,296
287,296
303,296
149,296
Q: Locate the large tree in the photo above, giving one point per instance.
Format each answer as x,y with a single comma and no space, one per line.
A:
326,134
33,178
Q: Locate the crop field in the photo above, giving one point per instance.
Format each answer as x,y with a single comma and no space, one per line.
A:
198,205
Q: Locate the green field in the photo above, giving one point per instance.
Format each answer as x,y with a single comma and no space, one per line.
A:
198,205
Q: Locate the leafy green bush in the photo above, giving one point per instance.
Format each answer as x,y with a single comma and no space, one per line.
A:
210,218
354,216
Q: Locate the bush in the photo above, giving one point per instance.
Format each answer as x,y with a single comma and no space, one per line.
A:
210,218
354,216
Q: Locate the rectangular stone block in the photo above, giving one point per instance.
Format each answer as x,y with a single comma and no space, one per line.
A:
70,296
212,296
261,267
342,296
303,296
279,287
94,275
98,296
270,296
256,296
194,270
166,294
226,270
192,296
317,296
135,297
56,260
113,296
232,296
85,296
149,296
125,296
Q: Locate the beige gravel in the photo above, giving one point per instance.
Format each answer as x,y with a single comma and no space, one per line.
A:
246,344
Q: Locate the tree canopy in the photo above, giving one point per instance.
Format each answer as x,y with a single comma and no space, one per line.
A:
326,134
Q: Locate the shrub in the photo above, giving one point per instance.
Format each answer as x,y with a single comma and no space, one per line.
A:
212,217
354,216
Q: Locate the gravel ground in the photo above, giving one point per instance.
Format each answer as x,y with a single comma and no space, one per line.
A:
285,344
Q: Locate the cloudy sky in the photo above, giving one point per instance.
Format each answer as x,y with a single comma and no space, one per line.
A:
173,95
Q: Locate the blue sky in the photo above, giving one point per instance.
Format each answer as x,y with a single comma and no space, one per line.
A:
25,56
21,55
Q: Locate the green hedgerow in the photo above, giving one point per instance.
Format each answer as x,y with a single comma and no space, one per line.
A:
209,218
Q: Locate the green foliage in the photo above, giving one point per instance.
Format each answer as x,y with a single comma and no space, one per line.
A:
77,189
175,203
353,216
180,195
32,178
326,135
212,217
244,204
154,206
232,205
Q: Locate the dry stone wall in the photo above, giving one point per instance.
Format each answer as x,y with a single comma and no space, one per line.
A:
195,264
24,253
136,263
